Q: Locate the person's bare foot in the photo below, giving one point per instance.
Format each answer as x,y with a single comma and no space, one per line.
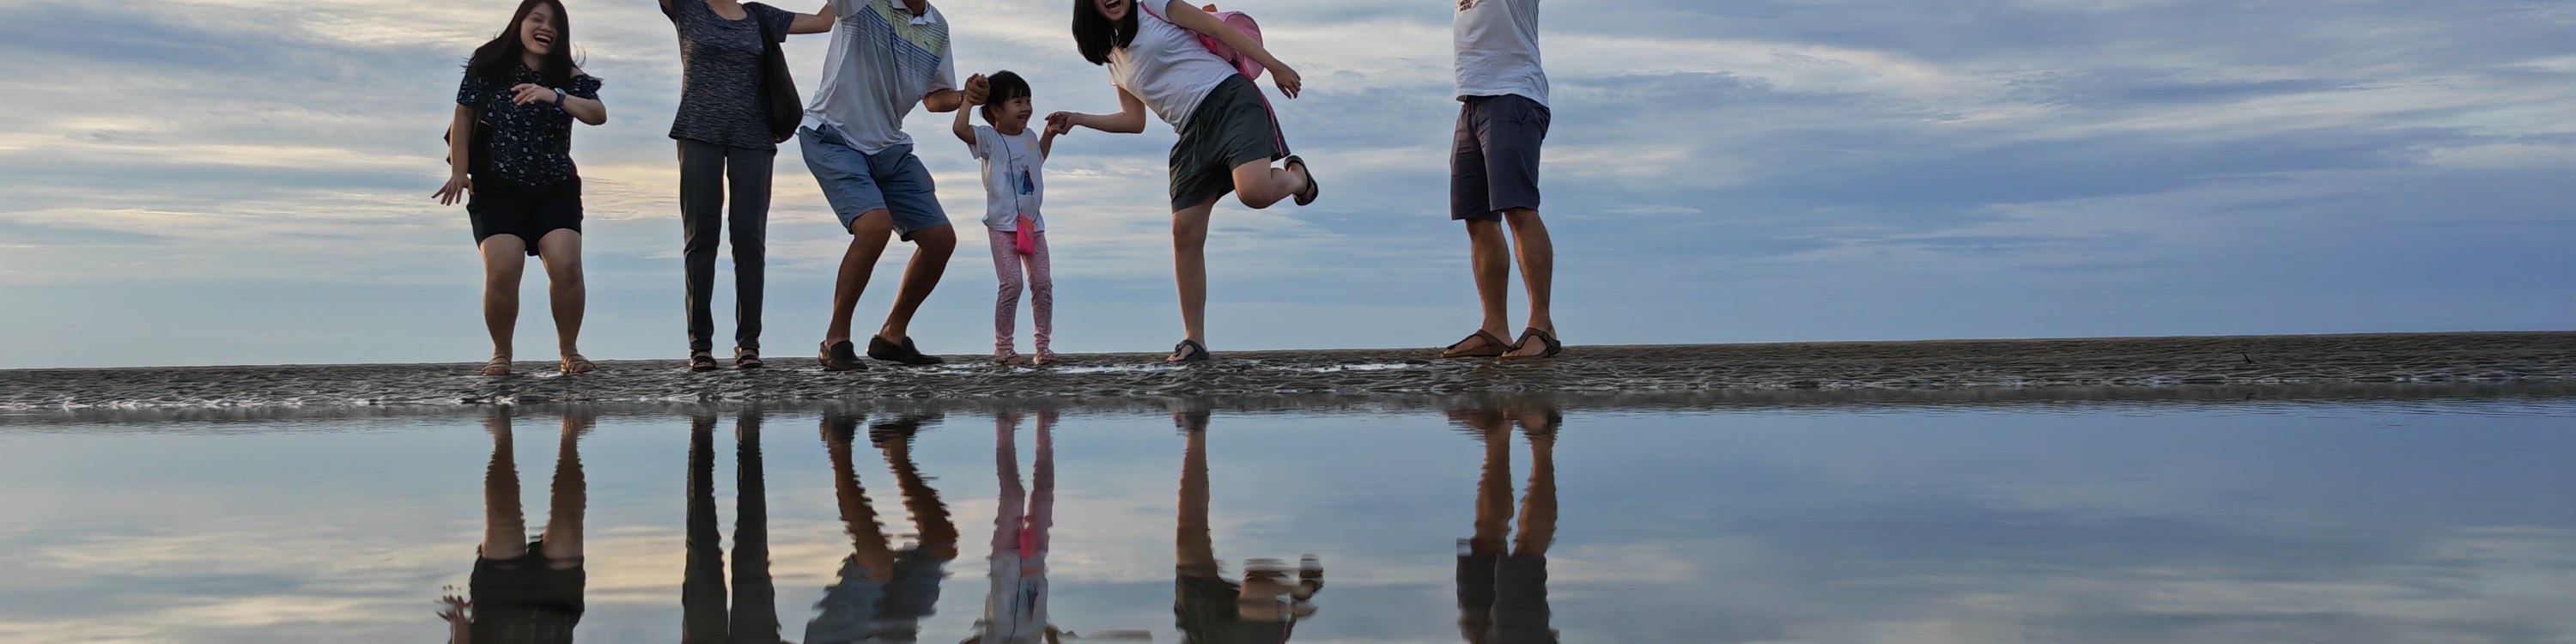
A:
498,366
574,364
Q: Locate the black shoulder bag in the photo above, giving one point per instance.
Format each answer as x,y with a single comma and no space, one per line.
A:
777,87
478,140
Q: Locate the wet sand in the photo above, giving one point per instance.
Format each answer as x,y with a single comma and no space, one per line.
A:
2433,365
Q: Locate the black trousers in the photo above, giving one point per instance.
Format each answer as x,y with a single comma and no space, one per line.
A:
705,171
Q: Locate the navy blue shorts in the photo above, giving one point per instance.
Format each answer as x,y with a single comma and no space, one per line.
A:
1493,163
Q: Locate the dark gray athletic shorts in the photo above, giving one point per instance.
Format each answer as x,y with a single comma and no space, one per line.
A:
1493,164
1231,127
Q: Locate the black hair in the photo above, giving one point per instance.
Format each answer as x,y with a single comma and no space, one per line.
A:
1003,87
1097,35
494,61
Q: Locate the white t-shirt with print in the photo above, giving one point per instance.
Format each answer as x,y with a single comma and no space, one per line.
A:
1014,177
883,60
1166,67
1498,50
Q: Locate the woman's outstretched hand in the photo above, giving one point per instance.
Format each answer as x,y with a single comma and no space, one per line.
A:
1060,123
455,190
452,607
1287,79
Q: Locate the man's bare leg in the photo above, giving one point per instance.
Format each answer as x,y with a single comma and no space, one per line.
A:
1490,257
1537,254
858,516
932,248
868,238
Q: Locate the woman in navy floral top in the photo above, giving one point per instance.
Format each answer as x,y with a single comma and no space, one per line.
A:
522,192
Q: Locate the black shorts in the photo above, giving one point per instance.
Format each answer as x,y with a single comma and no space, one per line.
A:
528,583
1231,127
1493,163
503,208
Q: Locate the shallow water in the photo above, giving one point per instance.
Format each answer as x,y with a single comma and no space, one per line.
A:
2441,520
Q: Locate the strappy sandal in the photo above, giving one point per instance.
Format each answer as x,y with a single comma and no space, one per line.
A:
576,365
747,359
1006,357
1545,338
1312,189
1187,351
498,366
702,361
1046,359
1494,347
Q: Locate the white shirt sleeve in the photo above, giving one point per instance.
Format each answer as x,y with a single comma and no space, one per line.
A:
984,136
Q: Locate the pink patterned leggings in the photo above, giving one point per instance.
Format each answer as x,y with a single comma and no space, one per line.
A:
1007,265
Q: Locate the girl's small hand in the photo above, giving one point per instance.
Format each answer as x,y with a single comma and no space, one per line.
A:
526,93
456,189
1287,79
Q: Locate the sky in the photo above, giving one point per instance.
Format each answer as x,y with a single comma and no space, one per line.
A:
247,181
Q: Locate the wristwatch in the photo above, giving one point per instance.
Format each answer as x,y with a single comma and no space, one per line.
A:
559,97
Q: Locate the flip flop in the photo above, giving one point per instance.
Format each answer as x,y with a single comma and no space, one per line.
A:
1187,351
1548,340
1494,347
747,360
1313,189
701,361
498,366
576,365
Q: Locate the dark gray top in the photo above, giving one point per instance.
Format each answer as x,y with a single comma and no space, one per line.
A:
720,73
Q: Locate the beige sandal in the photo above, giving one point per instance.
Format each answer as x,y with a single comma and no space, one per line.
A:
496,367
575,364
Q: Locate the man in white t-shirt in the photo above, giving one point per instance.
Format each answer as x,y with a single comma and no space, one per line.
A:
886,56
1493,172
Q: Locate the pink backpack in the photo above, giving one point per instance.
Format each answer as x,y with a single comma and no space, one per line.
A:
1239,22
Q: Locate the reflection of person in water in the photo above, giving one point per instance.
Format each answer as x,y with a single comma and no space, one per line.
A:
882,594
522,591
1015,612
1265,608
1502,587
753,617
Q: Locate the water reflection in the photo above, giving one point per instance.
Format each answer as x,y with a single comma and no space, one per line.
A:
1502,577
2126,524
522,590
706,618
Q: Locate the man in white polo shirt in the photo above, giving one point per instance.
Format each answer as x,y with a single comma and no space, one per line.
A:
886,56
1493,172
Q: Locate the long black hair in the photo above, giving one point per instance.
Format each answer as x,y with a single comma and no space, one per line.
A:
495,61
1097,35
1005,86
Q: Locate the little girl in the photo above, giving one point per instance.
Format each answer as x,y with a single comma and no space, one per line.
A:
1013,157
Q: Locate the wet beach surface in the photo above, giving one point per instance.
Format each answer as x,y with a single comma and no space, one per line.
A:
1880,368
2350,489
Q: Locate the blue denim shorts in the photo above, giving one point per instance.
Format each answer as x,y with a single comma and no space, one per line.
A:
857,183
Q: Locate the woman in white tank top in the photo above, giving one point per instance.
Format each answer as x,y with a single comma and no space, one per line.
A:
1228,135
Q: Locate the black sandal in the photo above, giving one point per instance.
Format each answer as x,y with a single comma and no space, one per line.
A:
1313,190
1547,339
1187,351
1494,347
747,359
701,361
